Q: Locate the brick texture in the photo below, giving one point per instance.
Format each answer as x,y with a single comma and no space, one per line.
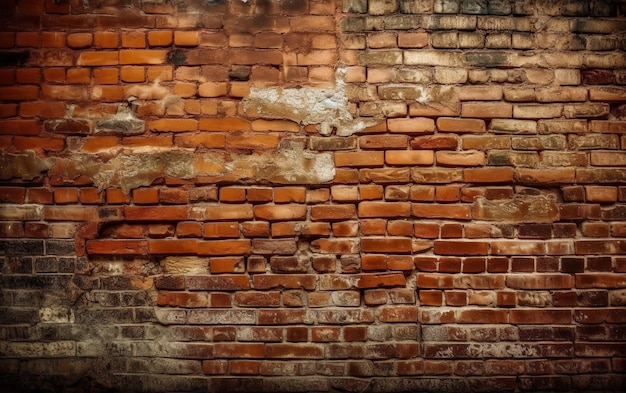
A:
313,196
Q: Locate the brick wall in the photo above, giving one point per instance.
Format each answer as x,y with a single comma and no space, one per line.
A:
313,195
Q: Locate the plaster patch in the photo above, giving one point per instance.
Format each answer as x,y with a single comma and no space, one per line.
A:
328,109
25,166
130,168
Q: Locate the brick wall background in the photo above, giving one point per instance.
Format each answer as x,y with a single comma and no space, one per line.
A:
313,195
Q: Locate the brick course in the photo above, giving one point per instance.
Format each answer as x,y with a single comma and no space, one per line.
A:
315,195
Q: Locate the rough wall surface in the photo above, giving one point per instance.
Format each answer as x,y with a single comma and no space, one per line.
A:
313,195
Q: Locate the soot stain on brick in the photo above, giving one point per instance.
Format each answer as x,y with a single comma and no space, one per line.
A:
177,57
14,57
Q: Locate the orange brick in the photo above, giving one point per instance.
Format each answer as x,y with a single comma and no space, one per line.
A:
91,196
106,40
78,76
65,195
445,124
332,212
133,39
227,265
147,56
359,159
212,89
117,247
384,209
240,40
184,89
201,140
173,246
27,143
224,124
43,109
106,76
155,213
487,110
79,40
285,212
290,194
225,247
268,40
132,74
232,194
409,157
93,59
417,125
160,73
488,175
253,141
601,193
221,230
94,144
258,194
173,125
144,196
460,158
107,93
54,75
186,38
50,39
160,38
115,196
412,40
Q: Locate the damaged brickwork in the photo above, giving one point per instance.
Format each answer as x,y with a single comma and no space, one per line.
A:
313,196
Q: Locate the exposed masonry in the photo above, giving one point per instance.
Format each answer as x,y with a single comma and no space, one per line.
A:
313,196
327,109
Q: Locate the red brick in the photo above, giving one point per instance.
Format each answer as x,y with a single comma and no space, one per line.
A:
332,212
289,281
157,213
189,229
386,245
224,212
117,247
386,280
221,230
459,211
542,317
488,175
384,209
483,316
19,93
226,247
461,247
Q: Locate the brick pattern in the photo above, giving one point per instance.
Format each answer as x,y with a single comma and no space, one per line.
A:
472,237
